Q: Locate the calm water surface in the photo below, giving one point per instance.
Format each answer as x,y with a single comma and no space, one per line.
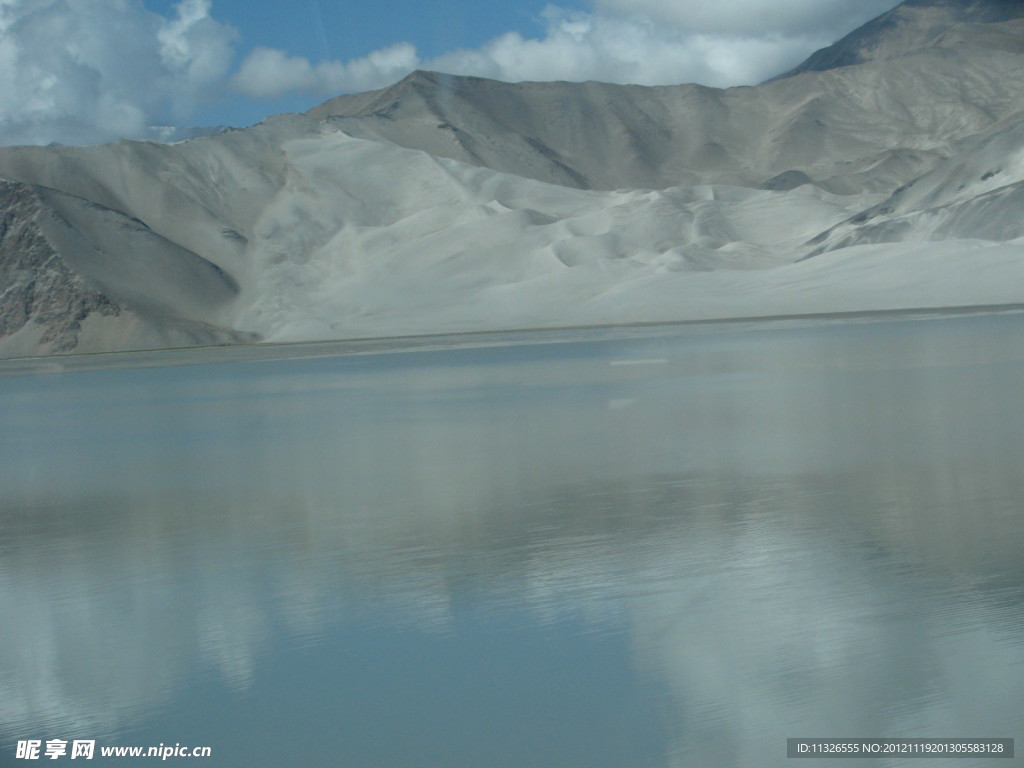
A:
677,549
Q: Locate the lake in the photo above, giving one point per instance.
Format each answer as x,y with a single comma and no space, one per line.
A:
648,547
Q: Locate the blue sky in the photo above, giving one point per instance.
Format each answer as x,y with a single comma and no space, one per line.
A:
329,29
85,71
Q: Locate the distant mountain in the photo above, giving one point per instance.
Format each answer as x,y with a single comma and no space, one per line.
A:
869,130
910,26
449,203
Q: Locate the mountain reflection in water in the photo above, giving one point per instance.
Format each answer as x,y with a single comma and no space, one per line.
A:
671,550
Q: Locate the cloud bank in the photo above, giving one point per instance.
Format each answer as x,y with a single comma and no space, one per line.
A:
648,42
81,72
269,72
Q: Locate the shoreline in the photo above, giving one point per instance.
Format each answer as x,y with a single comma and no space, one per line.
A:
283,350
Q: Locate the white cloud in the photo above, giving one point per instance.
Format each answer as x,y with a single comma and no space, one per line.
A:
753,18
650,42
79,72
268,72
196,50
637,49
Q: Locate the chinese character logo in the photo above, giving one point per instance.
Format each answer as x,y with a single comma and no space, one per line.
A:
28,750
82,749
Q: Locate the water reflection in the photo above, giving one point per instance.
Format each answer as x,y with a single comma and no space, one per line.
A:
533,555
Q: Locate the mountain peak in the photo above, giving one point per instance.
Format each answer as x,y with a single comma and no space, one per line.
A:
418,76
384,100
911,25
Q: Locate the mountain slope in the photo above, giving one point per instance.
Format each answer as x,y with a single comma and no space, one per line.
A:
976,194
79,277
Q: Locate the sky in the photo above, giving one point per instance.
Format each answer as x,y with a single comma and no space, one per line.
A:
90,71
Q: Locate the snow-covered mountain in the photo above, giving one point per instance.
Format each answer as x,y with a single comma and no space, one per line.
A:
887,176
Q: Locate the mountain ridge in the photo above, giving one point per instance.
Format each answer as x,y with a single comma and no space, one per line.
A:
664,136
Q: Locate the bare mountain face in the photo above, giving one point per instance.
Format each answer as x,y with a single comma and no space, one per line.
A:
910,26
885,172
